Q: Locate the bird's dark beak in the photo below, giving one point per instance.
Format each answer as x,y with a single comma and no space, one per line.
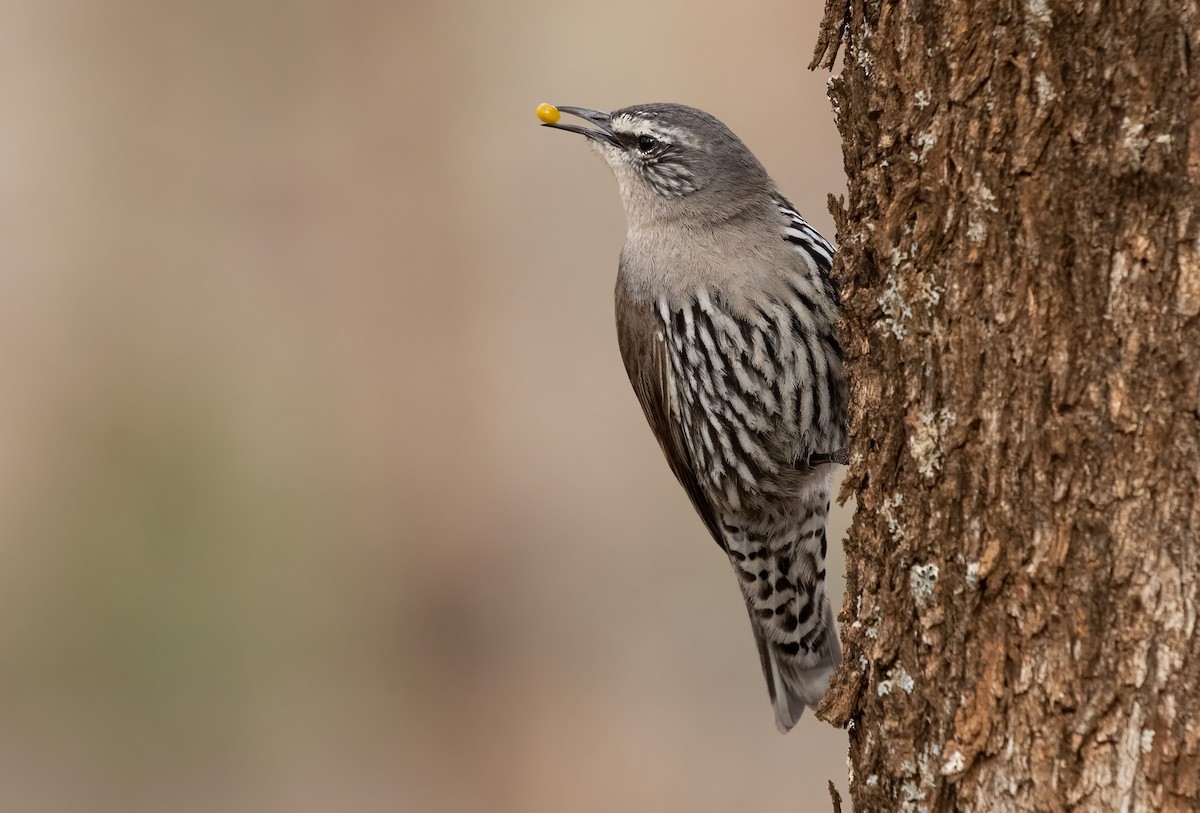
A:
603,135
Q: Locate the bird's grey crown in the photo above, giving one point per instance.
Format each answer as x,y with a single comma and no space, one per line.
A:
679,117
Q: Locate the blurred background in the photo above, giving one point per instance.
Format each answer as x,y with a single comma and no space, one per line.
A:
321,484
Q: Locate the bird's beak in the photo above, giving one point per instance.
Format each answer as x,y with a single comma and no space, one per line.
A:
603,135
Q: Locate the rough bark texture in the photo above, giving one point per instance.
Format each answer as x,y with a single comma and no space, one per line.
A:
1021,270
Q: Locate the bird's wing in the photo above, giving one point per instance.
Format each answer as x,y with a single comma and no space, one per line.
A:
808,240
642,348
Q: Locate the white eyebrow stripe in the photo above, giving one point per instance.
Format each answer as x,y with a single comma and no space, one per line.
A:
627,124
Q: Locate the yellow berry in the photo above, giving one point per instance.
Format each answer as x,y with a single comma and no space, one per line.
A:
547,113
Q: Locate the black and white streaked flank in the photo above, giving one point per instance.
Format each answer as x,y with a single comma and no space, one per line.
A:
725,317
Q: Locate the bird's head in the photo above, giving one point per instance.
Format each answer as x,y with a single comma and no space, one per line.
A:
673,162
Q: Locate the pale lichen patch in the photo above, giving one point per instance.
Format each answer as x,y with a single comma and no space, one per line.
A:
894,308
1134,141
922,581
986,197
897,678
899,294
925,442
1038,19
912,792
926,762
924,143
888,511
981,199
926,290
955,763
973,575
1044,89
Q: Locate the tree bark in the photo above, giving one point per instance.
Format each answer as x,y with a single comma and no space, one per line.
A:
1020,260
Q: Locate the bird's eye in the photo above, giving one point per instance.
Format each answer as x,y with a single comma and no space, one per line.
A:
647,143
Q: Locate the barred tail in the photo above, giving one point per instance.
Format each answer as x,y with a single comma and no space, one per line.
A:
781,570
794,684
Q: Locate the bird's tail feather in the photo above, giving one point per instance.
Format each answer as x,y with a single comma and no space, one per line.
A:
794,685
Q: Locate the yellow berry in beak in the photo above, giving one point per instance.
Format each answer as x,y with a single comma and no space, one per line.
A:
547,113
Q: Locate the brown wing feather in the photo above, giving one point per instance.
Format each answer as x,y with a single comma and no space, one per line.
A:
644,354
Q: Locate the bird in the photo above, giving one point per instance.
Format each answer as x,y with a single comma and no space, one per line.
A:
726,313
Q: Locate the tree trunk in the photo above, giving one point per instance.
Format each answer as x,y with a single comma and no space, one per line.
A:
1021,282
